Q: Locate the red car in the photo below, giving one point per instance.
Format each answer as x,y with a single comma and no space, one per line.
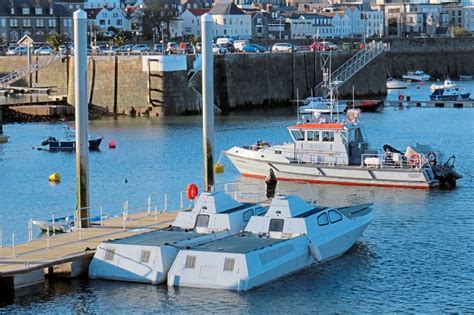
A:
319,46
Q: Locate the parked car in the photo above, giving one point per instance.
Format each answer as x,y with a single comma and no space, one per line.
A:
45,50
110,50
253,48
216,49
239,44
319,46
224,41
331,45
17,51
62,49
172,48
140,48
228,46
284,47
125,48
158,48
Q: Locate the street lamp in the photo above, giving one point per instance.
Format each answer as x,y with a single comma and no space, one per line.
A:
279,28
162,37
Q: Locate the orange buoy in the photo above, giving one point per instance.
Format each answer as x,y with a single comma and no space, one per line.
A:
401,97
112,144
192,191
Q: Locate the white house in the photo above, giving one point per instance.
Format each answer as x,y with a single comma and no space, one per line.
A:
108,17
191,21
230,20
373,22
468,18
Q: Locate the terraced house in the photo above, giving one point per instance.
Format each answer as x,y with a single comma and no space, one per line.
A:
35,18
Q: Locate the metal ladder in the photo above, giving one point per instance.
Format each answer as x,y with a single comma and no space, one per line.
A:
192,73
20,73
362,58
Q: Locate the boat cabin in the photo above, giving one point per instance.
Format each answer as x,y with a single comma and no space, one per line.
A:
147,257
340,143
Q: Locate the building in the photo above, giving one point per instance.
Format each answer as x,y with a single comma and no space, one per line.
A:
122,4
260,24
72,5
105,18
373,23
191,22
231,21
195,4
468,18
35,18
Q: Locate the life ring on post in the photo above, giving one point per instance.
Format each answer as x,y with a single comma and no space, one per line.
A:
431,158
401,97
192,191
414,159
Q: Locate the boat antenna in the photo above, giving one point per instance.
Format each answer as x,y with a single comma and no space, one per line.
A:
330,85
297,106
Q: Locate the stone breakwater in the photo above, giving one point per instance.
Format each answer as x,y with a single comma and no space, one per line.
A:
119,84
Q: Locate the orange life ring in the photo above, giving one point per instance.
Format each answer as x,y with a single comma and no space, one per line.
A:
401,97
414,159
192,191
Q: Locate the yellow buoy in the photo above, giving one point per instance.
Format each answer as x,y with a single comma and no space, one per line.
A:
219,168
55,177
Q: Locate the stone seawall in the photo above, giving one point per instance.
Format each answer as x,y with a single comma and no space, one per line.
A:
120,85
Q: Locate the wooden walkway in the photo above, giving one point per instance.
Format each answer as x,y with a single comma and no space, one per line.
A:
81,244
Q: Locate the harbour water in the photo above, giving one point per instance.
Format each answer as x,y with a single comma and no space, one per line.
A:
416,256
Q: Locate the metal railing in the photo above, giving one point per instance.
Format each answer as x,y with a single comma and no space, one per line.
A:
393,160
356,63
33,67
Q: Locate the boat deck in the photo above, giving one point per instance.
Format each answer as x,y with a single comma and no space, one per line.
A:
355,211
237,244
156,238
79,244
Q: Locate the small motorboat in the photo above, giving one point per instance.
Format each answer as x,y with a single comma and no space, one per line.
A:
448,91
322,106
68,142
64,224
366,105
396,84
464,77
292,236
417,75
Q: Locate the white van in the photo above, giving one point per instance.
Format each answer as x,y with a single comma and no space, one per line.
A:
224,41
239,44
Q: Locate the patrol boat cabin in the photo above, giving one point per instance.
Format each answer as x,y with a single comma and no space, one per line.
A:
148,257
291,236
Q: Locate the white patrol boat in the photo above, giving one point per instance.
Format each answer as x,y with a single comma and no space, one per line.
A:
147,257
291,236
337,153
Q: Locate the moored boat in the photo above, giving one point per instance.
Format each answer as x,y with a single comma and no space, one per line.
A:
396,84
448,91
147,257
292,236
366,105
322,106
68,141
337,153
417,75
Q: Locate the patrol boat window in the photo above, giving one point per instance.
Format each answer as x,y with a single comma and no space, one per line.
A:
334,216
202,220
323,219
276,225
327,136
297,135
312,135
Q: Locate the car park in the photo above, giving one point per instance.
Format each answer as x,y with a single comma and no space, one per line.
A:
253,48
17,51
140,48
284,47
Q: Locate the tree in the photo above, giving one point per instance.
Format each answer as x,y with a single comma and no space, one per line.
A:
56,40
122,37
459,31
157,15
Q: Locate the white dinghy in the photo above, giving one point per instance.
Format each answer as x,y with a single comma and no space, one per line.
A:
291,236
147,257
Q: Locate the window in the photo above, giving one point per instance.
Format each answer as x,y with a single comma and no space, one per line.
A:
109,254
119,22
13,23
297,135
276,225
334,216
38,11
327,136
102,22
51,11
312,135
25,11
27,23
3,23
247,215
229,264
12,11
52,23
202,220
190,262
260,211
323,219
39,23
145,256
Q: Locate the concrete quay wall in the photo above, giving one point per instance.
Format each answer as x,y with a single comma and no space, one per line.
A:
119,84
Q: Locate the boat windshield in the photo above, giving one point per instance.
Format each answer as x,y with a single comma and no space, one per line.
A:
297,135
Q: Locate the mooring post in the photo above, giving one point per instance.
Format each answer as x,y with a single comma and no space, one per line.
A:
30,74
82,117
149,204
30,230
166,202
207,101
3,138
13,245
54,228
181,200
101,215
